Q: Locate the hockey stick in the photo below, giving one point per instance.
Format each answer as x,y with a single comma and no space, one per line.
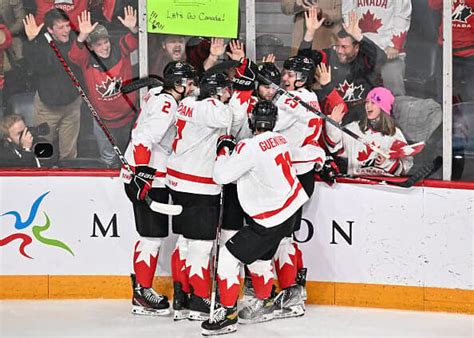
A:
215,260
162,208
155,80
150,81
282,91
418,176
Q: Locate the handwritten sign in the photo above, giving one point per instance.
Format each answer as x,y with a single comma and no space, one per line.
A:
212,18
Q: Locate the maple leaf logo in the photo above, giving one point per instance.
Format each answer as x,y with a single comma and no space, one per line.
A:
400,149
109,88
350,92
461,13
399,41
364,155
369,23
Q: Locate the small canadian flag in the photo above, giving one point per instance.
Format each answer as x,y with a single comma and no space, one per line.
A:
400,149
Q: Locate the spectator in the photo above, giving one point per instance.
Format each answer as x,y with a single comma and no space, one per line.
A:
57,101
463,48
17,143
354,63
171,48
106,66
11,15
202,55
73,8
386,23
376,127
330,10
5,43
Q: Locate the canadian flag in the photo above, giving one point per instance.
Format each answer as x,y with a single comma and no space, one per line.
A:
400,149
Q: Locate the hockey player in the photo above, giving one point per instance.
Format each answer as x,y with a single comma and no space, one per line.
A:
189,176
148,152
302,129
270,194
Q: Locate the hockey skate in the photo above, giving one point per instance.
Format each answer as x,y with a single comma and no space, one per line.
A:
289,303
199,308
224,321
180,302
259,310
147,301
301,281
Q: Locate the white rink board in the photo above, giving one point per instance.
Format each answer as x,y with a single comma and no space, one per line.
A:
416,237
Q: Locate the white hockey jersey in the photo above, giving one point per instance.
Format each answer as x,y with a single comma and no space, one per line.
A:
386,22
302,129
267,186
199,125
152,135
361,159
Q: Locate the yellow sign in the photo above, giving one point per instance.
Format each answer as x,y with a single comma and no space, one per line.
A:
212,18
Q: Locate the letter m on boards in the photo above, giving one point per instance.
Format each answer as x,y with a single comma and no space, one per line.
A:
98,225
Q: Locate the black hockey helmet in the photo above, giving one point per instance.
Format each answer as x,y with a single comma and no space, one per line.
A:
270,71
213,84
176,73
264,116
302,66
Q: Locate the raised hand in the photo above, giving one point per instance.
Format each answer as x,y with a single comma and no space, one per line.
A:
337,113
31,28
85,25
217,47
129,19
323,74
269,58
236,50
352,27
311,19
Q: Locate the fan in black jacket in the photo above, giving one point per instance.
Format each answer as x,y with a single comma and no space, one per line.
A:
355,64
16,148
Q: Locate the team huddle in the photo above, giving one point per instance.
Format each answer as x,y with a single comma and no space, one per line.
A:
239,156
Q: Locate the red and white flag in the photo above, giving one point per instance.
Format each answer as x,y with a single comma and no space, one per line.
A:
400,149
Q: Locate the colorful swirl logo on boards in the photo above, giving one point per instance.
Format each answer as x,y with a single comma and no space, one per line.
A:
37,230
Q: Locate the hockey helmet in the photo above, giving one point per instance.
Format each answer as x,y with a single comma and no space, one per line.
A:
270,71
302,66
213,84
264,116
176,73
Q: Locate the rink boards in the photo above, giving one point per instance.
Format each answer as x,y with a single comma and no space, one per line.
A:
364,245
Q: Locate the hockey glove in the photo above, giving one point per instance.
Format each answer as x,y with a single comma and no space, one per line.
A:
329,172
141,181
245,76
225,143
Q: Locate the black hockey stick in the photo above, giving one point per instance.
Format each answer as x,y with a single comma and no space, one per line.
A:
422,173
150,81
163,208
282,91
155,80
215,261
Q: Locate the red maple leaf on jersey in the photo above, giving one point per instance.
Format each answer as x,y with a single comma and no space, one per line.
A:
399,41
400,149
365,154
369,23
141,154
